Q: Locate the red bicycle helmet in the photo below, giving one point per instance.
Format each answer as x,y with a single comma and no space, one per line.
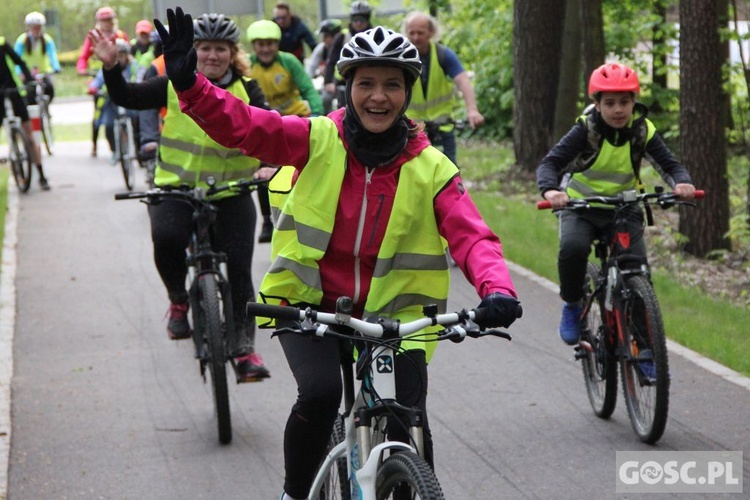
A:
105,13
613,77
143,26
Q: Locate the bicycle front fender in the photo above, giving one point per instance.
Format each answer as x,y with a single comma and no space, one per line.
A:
368,473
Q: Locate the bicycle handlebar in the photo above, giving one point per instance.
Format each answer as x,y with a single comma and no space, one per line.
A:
628,197
188,192
459,324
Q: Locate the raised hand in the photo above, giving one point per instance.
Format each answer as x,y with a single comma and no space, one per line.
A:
180,58
104,48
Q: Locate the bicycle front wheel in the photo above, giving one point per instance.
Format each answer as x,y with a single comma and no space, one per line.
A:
407,475
20,158
49,140
210,303
643,361
126,154
336,485
599,365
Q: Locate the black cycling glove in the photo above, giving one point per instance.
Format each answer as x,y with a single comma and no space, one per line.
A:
499,310
180,58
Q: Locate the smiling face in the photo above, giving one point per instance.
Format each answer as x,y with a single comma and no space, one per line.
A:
616,108
214,57
266,50
378,95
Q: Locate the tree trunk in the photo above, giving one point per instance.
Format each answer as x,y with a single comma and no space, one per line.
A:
659,54
537,34
702,139
592,30
568,90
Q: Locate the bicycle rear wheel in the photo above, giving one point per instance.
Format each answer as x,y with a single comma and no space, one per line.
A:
126,152
215,353
407,475
336,485
599,365
49,140
20,158
643,361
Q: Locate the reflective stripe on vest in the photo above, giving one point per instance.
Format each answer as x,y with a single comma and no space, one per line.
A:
411,270
188,155
441,98
610,174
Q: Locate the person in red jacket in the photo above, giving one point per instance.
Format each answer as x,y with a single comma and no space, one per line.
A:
369,183
106,23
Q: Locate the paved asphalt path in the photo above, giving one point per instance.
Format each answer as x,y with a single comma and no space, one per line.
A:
104,405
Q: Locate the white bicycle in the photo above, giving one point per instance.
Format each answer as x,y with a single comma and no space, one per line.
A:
361,462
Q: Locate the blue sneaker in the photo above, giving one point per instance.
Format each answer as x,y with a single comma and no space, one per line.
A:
570,323
646,363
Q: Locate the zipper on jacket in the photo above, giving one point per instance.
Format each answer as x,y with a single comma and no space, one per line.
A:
358,239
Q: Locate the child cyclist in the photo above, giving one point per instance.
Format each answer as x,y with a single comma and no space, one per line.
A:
368,218
605,148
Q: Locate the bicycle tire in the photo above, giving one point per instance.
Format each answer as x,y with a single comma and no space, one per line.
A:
336,485
647,398
20,158
210,302
126,152
599,365
407,471
46,119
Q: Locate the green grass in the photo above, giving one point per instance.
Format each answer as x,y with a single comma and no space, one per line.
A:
712,327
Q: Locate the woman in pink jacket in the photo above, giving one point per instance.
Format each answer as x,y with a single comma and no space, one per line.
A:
368,183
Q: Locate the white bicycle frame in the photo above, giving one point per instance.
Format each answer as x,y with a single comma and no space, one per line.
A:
384,384
122,114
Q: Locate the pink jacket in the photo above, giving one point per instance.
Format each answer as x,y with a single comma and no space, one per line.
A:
284,140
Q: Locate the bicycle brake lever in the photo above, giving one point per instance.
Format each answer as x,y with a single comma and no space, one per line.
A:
497,333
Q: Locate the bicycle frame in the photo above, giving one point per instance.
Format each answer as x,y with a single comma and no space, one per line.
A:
610,252
376,396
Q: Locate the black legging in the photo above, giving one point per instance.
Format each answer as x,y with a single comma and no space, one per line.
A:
234,234
315,364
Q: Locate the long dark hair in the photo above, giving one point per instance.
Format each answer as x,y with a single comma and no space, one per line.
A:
27,44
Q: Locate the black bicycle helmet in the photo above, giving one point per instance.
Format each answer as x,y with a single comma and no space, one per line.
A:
329,27
360,8
380,45
215,27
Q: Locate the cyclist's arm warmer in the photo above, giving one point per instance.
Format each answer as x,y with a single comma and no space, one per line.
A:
262,134
566,150
473,245
147,94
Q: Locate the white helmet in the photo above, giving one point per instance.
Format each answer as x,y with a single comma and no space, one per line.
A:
35,19
380,45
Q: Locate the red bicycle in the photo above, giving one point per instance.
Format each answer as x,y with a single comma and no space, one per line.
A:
621,321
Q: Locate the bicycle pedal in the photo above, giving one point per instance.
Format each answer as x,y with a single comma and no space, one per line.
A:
247,380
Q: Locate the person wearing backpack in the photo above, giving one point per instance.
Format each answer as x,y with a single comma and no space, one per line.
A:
434,100
601,156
